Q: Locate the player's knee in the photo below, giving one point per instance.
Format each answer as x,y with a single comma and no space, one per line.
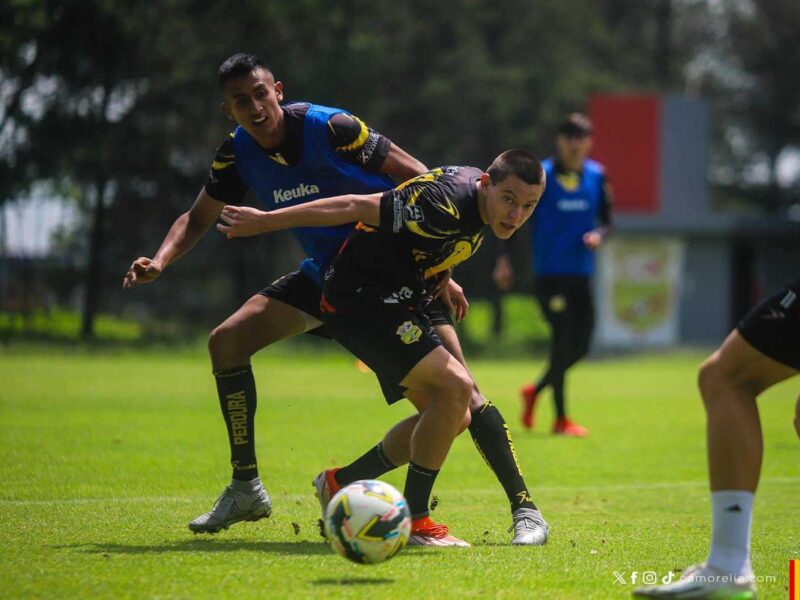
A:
476,399
710,379
465,421
216,341
720,380
224,347
457,390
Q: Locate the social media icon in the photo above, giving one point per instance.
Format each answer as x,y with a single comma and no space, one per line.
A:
649,577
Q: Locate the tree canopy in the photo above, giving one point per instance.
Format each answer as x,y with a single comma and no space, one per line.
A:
114,102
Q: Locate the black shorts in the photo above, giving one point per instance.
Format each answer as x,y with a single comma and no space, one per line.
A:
438,314
299,290
773,327
390,340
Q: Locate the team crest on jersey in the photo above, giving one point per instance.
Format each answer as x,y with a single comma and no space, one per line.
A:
413,214
409,332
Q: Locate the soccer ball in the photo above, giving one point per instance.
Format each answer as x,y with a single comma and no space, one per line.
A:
368,521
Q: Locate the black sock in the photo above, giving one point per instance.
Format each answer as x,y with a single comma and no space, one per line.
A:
237,398
558,395
543,382
493,440
371,465
419,483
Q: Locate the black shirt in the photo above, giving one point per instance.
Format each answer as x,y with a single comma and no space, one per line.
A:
428,225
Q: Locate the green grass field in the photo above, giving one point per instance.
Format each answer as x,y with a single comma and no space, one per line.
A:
107,457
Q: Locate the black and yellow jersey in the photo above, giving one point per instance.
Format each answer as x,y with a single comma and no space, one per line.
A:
428,225
348,136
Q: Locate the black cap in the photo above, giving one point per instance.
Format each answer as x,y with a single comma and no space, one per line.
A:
575,125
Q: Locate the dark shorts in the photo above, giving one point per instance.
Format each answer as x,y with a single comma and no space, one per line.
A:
299,290
773,327
438,314
389,340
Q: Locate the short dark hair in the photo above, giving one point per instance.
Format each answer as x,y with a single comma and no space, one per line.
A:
521,163
238,65
575,125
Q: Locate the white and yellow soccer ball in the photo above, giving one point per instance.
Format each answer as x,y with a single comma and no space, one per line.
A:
368,521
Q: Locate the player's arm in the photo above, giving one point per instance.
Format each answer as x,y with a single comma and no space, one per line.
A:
223,186
181,237
354,141
243,221
400,164
594,238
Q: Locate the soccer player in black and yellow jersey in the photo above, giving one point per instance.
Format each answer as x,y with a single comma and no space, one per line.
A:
374,300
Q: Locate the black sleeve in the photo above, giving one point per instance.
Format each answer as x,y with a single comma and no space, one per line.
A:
419,207
224,183
357,143
606,207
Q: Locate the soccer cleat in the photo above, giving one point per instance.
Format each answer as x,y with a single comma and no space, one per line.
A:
232,507
702,582
528,395
425,532
569,428
529,527
325,488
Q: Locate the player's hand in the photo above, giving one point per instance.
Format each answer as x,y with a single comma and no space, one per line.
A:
503,274
440,281
142,270
592,239
455,300
243,221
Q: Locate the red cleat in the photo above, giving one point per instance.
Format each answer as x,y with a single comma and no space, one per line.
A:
325,488
424,532
569,428
529,395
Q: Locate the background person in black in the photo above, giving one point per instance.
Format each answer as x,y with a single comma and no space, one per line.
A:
375,294
572,220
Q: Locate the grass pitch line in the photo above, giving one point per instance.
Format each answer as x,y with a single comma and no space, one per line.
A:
307,497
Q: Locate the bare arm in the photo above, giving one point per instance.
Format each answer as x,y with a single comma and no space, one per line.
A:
400,164
181,237
243,221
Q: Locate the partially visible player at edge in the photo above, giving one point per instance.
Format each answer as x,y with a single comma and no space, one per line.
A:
572,221
763,350
289,154
375,295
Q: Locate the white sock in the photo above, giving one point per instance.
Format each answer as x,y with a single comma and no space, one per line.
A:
730,544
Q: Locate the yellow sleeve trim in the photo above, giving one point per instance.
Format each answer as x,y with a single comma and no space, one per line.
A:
359,141
219,166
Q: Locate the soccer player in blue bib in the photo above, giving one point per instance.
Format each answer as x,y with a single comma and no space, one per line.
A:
570,223
289,154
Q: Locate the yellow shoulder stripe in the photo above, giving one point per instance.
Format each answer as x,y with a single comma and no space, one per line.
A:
359,141
218,165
